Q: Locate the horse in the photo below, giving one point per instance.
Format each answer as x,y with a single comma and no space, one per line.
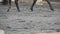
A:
16,3
34,2
31,8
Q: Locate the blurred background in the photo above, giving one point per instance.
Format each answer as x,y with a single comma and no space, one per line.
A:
39,2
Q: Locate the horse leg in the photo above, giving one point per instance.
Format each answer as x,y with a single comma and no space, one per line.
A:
33,5
9,5
50,5
16,3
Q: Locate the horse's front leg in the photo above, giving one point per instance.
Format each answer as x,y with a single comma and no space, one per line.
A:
9,5
50,5
33,5
16,2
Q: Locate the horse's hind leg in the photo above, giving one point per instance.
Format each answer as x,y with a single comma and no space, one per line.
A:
16,2
9,5
50,5
33,5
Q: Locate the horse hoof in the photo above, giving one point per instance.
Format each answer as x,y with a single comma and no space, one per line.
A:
19,11
8,27
7,10
31,9
52,9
